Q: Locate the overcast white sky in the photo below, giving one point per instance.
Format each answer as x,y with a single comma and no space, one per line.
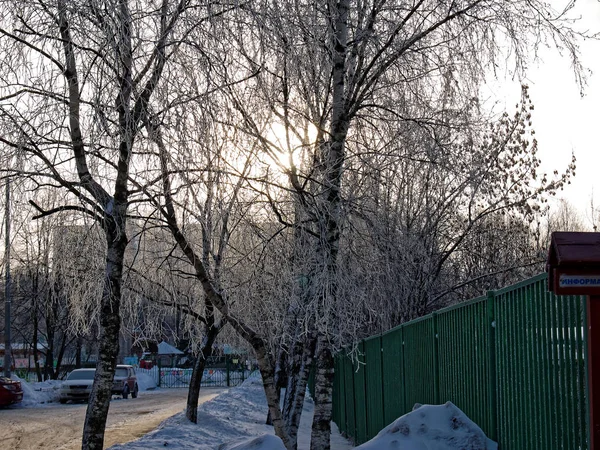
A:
564,121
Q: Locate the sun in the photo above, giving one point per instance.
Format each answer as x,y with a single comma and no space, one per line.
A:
288,145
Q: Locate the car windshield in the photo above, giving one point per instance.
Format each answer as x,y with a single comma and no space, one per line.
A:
81,375
120,372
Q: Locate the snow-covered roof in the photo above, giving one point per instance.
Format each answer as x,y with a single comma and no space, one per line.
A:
167,349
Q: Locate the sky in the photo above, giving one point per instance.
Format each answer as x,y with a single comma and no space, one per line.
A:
565,120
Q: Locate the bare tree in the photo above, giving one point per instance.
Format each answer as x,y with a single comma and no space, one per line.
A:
351,84
75,94
346,68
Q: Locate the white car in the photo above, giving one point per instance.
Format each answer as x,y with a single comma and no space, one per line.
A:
78,385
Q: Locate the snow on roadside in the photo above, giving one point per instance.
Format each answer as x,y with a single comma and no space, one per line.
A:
433,427
265,441
234,420
145,381
235,415
36,394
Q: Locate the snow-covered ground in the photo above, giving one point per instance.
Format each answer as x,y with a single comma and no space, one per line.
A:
234,420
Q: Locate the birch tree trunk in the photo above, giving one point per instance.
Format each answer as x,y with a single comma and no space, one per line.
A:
321,426
212,331
331,229
296,388
110,325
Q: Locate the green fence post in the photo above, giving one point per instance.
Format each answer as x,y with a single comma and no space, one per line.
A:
492,397
436,360
382,381
586,359
403,374
353,424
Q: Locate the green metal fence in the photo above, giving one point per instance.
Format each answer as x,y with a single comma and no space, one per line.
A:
513,361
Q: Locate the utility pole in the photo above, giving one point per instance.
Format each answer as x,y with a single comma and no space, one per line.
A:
7,293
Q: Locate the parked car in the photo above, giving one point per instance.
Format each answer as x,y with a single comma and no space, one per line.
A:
10,391
78,385
125,381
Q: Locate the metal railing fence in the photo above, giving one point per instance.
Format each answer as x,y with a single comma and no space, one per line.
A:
218,372
513,361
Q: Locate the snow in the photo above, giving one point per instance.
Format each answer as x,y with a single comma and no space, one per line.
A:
234,420
431,427
36,394
165,348
145,381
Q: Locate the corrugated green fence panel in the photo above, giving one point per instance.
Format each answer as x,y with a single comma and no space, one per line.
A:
514,362
393,376
463,338
540,368
419,362
360,398
374,386
350,425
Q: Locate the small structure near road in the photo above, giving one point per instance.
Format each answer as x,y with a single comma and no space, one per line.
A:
164,354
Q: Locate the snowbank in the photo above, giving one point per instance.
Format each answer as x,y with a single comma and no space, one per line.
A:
431,427
145,381
264,442
235,416
36,394
234,420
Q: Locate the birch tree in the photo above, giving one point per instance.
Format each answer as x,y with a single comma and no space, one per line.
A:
347,66
77,81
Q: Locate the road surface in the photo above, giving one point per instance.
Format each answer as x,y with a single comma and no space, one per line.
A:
60,427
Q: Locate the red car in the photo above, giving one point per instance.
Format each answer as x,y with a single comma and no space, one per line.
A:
125,381
10,391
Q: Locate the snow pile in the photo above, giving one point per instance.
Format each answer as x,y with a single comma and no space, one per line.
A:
145,381
234,420
35,394
264,442
431,427
235,416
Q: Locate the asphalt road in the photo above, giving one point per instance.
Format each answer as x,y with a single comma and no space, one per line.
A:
60,427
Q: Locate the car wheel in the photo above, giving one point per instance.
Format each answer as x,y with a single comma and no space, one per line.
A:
126,391
63,401
135,391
